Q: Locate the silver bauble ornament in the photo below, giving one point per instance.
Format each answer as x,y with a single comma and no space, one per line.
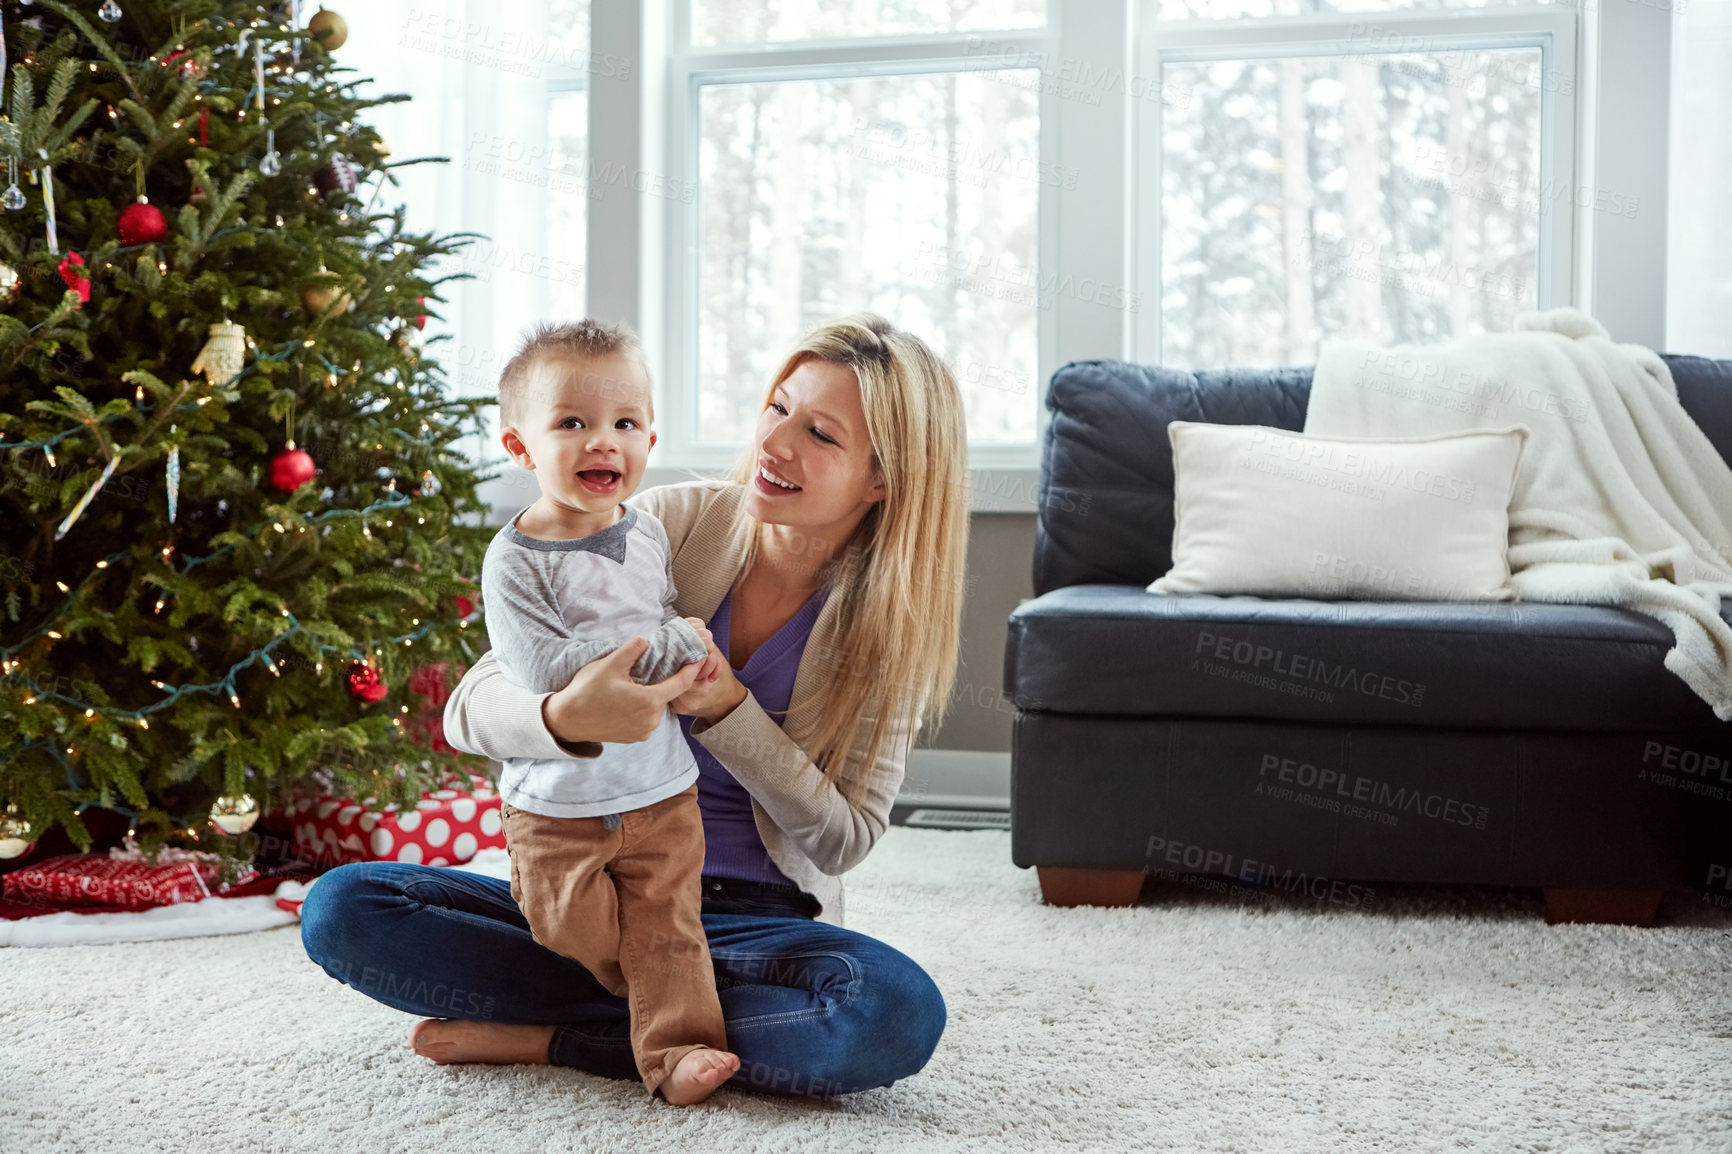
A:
234,814
16,835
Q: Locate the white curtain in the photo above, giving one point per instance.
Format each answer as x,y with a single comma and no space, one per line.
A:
478,73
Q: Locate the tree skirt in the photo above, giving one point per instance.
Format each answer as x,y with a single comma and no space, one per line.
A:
184,920
1425,1019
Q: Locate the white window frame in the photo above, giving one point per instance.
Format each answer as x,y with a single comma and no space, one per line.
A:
1102,232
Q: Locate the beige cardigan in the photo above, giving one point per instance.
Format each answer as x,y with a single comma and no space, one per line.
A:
812,833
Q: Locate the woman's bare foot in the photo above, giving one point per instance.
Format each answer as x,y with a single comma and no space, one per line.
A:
447,1040
697,1075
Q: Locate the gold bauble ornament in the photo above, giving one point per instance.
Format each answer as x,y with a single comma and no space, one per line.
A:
234,814
329,296
323,20
16,835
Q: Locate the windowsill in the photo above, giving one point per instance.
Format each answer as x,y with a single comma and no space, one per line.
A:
994,489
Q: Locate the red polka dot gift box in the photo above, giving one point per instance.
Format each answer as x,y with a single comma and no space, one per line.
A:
446,827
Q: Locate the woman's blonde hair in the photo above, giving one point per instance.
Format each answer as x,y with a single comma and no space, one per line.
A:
900,575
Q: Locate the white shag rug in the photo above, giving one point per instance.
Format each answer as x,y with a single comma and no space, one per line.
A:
1428,1019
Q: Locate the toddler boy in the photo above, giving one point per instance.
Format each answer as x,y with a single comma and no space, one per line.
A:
606,851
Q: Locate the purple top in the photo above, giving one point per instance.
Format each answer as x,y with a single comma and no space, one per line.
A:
732,846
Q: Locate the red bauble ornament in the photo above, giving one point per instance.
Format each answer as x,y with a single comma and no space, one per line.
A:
335,175
291,468
365,684
75,280
142,223
421,321
464,606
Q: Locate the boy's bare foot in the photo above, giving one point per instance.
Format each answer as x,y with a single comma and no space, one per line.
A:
697,1075
447,1040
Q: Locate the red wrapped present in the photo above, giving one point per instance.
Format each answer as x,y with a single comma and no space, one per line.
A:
446,827
95,879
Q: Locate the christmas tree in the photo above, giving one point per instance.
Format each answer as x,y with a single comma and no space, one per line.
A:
235,525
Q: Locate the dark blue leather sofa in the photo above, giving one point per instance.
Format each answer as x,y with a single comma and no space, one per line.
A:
1324,744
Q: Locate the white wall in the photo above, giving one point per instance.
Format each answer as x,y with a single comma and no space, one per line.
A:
1699,243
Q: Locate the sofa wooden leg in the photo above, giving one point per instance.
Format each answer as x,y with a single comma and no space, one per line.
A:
1613,907
1081,887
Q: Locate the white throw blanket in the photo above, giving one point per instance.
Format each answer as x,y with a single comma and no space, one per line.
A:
1620,500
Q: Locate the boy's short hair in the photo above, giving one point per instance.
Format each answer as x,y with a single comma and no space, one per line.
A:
572,341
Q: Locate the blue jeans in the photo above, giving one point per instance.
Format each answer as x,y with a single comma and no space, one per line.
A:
812,1010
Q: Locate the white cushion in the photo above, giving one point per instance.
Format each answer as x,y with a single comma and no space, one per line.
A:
1278,514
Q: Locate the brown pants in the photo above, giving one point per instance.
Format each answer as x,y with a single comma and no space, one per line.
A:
624,902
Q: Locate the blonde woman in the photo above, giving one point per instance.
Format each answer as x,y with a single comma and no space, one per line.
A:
829,569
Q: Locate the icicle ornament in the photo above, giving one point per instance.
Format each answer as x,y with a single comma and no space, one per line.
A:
272,162
14,196
173,477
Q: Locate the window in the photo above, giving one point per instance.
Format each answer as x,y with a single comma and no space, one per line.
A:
1197,183
912,196
899,171
1393,179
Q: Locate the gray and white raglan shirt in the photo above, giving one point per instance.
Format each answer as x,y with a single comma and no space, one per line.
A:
555,606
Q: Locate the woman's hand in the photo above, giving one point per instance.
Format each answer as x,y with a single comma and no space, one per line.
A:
603,703
715,691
